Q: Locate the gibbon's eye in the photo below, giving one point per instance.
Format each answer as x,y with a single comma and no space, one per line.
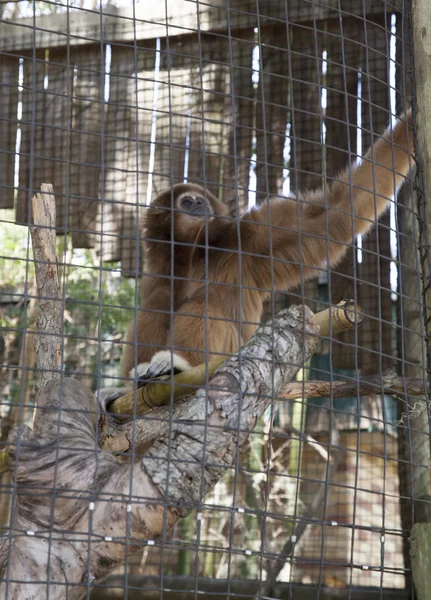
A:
194,206
187,202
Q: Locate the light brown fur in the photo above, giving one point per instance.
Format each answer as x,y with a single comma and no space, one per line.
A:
223,269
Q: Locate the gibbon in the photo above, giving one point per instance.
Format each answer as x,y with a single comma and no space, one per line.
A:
207,275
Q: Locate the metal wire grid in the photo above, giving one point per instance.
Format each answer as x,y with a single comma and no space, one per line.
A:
270,98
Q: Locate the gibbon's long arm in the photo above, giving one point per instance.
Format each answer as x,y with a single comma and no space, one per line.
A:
303,239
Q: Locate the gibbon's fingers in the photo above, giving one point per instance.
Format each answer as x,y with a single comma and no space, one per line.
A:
285,242
163,363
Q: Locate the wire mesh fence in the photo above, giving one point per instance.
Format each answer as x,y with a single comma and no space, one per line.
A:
254,101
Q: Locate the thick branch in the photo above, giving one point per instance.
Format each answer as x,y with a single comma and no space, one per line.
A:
275,353
50,318
198,442
387,383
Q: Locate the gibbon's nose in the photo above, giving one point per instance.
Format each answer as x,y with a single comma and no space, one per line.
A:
199,206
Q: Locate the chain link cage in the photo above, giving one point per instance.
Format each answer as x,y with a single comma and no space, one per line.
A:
253,100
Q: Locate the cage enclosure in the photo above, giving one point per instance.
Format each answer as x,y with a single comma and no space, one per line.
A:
289,458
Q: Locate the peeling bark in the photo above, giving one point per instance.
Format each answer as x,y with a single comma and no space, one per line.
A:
50,317
59,540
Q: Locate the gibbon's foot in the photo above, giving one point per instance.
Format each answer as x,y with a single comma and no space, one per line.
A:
163,364
108,395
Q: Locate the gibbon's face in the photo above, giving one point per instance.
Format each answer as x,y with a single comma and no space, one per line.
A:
189,205
193,203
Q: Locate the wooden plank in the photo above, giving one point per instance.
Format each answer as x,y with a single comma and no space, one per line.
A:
272,112
207,140
306,152
119,120
376,337
9,66
306,122
137,92
185,588
34,100
410,334
414,222
177,60
86,144
239,122
155,19
422,58
411,353
45,126
371,347
344,46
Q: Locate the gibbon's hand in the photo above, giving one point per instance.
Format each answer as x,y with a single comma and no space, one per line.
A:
163,364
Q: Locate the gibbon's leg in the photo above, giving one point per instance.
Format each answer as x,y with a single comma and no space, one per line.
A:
152,326
201,330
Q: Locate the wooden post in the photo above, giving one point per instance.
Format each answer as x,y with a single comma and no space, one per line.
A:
421,10
421,559
420,431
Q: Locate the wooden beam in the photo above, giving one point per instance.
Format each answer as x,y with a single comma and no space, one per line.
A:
420,429
153,19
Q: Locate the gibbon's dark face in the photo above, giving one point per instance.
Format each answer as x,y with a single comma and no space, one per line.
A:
194,204
194,201
189,200
188,204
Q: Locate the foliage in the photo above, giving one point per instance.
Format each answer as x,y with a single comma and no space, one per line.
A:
99,306
98,303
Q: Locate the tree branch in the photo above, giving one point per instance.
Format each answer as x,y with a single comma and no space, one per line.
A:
120,437
388,383
50,317
330,321
79,512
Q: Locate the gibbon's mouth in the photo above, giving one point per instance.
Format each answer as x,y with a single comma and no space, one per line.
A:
199,211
